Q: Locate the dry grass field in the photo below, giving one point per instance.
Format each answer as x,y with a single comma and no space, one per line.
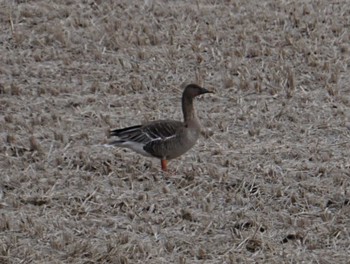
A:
268,181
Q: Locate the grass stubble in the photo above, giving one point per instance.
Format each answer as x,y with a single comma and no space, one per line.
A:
267,183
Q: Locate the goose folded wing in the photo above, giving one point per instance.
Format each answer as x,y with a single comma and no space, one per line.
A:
161,130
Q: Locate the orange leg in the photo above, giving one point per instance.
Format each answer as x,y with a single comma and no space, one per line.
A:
164,165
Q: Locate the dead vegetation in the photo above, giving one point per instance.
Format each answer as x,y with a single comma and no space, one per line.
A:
268,182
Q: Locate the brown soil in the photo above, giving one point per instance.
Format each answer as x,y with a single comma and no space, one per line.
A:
267,183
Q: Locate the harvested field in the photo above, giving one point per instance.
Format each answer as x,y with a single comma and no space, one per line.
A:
269,180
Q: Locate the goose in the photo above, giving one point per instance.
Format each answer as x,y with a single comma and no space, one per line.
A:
164,139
